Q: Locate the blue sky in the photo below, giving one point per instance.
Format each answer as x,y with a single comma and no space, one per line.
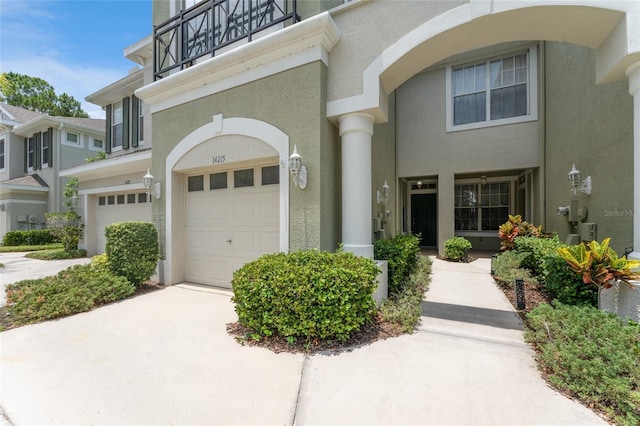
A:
75,45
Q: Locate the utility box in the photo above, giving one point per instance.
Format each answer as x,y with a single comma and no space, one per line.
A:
33,218
572,240
22,218
588,231
574,215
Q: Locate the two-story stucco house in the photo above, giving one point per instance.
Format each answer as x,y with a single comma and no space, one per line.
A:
34,147
431,117
111,190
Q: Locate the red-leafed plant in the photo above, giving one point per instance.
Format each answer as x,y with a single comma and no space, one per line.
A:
516,227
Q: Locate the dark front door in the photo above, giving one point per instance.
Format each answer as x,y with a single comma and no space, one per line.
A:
424,218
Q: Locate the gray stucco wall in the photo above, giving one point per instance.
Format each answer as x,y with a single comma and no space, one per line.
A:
368,29
592,126
383,163
426,149
293,101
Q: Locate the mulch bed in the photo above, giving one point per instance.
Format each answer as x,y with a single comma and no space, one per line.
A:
534,294
369,333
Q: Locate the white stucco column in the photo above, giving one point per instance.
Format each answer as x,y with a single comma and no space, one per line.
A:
633,72
356,130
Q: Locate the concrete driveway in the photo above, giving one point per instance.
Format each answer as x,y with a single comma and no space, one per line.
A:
17,267
165,358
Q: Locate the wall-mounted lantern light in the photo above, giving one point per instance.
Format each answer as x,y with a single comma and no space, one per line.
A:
152,188
383,197
297,169
576,182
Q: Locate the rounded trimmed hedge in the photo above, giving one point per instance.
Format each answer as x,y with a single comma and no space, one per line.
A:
308,294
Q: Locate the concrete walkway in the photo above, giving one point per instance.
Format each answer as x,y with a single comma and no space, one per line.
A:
165,358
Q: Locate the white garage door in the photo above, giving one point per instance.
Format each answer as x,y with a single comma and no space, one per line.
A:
232,217
119,208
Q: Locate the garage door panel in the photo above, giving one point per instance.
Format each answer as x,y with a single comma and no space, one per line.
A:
247,216
269,242
269,210
108,214
207,271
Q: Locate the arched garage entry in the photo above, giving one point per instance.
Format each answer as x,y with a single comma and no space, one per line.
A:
227,199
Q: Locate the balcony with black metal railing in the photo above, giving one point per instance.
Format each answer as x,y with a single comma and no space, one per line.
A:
211,27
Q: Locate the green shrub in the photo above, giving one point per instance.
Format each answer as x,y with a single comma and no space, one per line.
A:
76,289
564,285
534,249
456,248
405,309
67,227
507,267
308,294
592,355
401,252
57,254
101,263
33,237
132,249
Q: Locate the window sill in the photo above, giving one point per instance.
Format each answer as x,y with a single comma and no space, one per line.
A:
488,234
494,123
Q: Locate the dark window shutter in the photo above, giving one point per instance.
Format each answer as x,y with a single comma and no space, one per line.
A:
135,112
50,139
125,123
26,154
38,151
107,142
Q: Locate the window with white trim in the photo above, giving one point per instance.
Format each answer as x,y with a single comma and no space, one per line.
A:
481,207
31,153
45,149
96,144
495,91
72,139
140,124
116,126
1,154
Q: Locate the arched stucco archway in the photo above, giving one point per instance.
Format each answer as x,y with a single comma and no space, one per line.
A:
608,27
174,269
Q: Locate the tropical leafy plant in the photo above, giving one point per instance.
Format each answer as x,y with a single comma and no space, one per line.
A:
599,264
515,227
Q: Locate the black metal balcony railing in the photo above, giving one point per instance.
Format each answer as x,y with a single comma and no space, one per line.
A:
211,25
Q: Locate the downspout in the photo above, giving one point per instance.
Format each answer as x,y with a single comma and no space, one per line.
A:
58,146
543,133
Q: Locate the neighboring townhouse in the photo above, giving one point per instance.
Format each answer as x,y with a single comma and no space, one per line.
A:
431,117
111,190
34,147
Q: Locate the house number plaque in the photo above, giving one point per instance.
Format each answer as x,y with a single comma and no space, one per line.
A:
219,159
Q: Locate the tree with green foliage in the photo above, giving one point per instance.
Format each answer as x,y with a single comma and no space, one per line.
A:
67,226
36,94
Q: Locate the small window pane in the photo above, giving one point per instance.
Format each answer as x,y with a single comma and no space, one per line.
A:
111,200
270,175
121,199
97,143
218,180
142,197
242,178
195,183
101,201
72,138
131,198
